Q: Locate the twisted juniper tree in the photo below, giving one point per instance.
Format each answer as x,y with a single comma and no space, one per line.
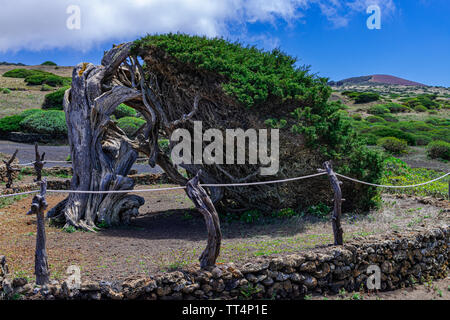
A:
185,79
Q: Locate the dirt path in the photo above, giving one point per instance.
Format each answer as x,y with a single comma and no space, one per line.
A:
59,153
433,290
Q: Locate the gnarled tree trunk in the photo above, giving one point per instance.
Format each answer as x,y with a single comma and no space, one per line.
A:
102,155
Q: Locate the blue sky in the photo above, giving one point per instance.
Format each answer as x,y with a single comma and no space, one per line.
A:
329,35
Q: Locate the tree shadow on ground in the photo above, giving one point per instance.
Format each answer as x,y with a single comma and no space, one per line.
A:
188,224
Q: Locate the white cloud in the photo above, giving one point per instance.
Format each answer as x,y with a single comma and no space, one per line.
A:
37,25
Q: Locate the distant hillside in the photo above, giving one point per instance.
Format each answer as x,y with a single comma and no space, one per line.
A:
377,79
4,63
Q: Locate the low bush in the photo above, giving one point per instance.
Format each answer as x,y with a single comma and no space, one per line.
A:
412,126
422,140
362,97
49,63
10,123
393,145
124,111
130,125
164,145
420,108
48,79
399,134
26,113
439,149
397,108
5,90
378,109
20,73
55,99
48,122
46,87
398,173
357,116
440,134
374,119
389,117
371,139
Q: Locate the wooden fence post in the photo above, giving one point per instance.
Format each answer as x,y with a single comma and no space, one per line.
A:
38,206
38,163
10,170
337,208
204,204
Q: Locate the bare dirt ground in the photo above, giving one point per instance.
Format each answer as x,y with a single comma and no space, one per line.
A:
169,235
433,290
23,96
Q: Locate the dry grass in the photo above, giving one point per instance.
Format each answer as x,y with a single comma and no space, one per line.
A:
22,96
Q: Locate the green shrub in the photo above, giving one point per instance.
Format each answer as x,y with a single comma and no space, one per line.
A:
393,145
412,126
46,87
398,173
284,213
439,149
56,81
46,122
321,211
420,108
5,90
164,145
10,123
124,111
397,108
378,109
130,125
362,97
366,97
275,123
374,119
20,73
36,79
399,134
371,139
440,134
357,116
48,79
26,113
250,216
55,99
422,140
49,63
389,117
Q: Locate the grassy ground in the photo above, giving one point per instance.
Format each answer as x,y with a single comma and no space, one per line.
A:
24,97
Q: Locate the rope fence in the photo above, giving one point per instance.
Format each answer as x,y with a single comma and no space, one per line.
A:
27,164
244,184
